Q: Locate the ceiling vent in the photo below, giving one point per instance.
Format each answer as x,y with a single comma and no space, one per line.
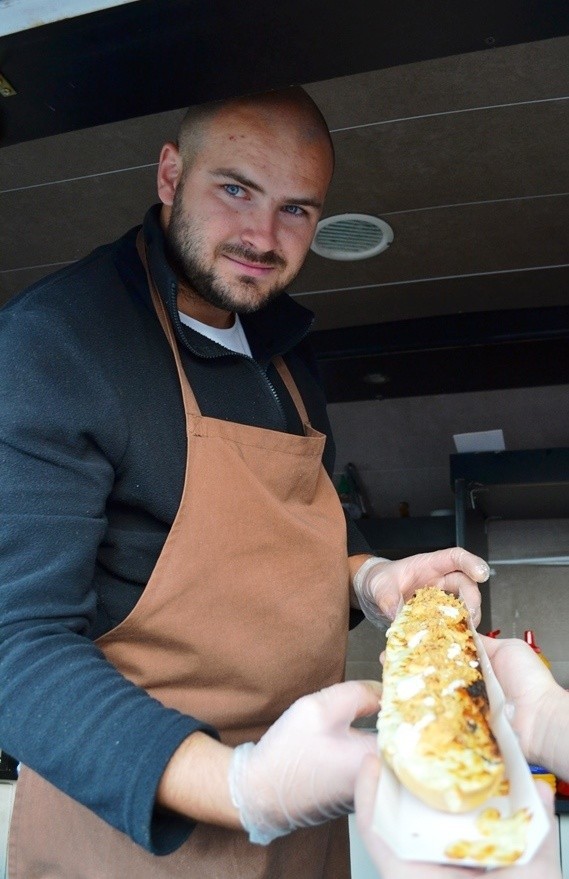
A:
351,237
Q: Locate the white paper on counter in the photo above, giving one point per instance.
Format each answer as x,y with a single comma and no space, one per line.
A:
417,832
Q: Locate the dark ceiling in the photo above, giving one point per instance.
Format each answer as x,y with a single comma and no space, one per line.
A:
450,121
156,55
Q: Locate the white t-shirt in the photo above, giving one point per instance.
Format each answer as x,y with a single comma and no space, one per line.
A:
233,338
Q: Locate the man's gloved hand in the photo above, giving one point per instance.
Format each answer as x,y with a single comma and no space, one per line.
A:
382,585
303,770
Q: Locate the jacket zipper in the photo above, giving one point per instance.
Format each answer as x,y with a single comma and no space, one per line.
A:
271,387
274,394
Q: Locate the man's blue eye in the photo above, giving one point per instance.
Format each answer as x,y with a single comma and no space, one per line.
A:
233,189
293,209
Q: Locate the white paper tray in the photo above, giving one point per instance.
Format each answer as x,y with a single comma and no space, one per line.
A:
417,832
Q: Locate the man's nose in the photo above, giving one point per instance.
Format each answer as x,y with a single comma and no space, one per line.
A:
259,231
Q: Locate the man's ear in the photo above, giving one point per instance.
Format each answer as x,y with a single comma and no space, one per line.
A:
169,172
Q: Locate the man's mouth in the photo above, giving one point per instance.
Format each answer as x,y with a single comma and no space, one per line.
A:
255,269
251,263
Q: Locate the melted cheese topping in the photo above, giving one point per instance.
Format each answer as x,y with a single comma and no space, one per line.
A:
503,840
433,723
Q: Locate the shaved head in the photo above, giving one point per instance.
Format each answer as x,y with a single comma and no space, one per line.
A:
290,107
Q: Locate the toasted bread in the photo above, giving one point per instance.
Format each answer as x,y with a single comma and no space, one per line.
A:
433,728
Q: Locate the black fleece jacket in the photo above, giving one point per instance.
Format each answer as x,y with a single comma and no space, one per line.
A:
92,454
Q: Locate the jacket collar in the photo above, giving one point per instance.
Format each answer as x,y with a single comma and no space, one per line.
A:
273,330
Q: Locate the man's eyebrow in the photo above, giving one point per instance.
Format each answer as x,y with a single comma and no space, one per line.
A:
236,175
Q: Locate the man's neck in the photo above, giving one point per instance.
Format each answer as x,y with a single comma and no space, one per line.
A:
202,311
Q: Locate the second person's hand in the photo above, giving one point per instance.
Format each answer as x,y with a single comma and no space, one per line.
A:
544,864
537,706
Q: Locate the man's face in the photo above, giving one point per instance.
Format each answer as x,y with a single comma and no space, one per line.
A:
245,210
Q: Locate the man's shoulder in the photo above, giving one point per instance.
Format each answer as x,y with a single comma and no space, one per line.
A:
77,283
89,305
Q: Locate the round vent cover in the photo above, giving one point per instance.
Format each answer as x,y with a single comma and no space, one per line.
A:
351,236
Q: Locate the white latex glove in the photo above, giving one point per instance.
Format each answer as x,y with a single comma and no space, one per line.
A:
381,585
303,770
536,705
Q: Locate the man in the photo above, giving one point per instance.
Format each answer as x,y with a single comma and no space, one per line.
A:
176,571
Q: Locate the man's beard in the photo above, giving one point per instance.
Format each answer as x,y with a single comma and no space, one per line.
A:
184,249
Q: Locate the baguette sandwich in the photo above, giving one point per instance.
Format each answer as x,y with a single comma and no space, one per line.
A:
433,728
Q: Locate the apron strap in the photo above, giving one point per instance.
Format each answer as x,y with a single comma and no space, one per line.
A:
188,396
291,387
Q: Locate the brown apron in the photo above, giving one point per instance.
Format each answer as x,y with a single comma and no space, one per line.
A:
245,611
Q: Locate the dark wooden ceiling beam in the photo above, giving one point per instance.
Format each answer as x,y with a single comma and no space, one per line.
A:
453,354
156,55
